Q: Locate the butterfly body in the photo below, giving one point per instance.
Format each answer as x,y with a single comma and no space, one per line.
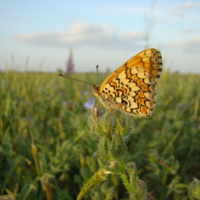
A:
132,87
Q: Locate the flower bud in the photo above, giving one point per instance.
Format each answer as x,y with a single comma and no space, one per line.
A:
118,148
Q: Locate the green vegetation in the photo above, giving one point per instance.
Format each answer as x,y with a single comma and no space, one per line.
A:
48,151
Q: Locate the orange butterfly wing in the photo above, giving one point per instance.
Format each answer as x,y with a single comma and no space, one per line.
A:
150,60
132,87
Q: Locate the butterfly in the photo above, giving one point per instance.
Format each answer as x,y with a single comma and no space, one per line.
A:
132,87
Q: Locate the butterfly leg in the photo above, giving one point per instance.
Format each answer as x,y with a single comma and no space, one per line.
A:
96,112
116,118
94,116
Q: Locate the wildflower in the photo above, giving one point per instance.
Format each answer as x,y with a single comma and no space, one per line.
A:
85,93
90,104
64,103
70,64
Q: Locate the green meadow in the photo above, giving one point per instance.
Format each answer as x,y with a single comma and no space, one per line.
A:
48,150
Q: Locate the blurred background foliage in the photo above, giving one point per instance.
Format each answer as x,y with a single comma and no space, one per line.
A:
47,147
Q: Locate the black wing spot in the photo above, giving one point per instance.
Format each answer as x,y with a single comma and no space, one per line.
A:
124,102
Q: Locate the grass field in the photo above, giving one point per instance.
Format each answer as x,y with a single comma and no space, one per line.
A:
47,150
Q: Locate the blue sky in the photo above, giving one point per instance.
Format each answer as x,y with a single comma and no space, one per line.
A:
37,35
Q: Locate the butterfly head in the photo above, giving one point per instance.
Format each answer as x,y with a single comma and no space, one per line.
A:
96,90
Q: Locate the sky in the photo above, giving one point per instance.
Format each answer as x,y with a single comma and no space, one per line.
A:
38,35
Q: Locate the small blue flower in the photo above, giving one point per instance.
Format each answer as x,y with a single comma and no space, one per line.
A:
85,93
89,104
64,103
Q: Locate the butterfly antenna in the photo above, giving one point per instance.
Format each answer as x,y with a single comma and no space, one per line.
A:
97,73
73,79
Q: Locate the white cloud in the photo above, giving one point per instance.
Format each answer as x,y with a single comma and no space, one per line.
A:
181,10
189,30
82,34
160,20
191,45
185,6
